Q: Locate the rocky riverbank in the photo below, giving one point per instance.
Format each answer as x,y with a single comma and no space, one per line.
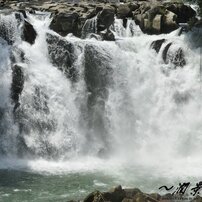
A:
153,17
118,194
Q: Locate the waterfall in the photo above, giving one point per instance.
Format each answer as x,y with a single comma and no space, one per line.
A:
130,30
10,27
89,27
84,97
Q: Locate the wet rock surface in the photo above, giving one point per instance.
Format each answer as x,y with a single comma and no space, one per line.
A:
118,194
61,54
29,33
171,53
153,17
17,84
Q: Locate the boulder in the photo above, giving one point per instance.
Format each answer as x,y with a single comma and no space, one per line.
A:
107,35
105,18
9,27
157,24
98,196
155,19
165,51
127,200
138,19
98,78
169,23
140,197
156,45
133,6
115,195
155,10
183,12
29,34
174,54
17,84
155,196
178,58
123,11
91,196
197,199
130,193
61,54
65,23
97,70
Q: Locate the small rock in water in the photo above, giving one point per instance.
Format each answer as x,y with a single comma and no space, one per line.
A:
29,33
174,55
107,35
156,45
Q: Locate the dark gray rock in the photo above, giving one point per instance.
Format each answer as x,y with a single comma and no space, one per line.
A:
120,195
17,84
178,58
174,55
8,27
165,51
153,17
156,45
29,33
169,23
184,12
123,11
105,18
107,35
98,78
61,54
156,19
65,23
115,195
130,193
97,69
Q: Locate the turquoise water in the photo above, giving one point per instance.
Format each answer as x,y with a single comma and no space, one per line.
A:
22,186
26,186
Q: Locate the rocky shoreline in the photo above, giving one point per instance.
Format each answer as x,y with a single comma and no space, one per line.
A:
153,17
118,194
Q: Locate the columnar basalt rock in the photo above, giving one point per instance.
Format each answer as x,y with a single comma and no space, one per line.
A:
153,17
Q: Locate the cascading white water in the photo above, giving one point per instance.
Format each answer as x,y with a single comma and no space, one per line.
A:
7,127
126,104
89,27
10,26
131,28
47,100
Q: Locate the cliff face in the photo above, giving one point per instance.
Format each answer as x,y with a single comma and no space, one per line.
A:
153,17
